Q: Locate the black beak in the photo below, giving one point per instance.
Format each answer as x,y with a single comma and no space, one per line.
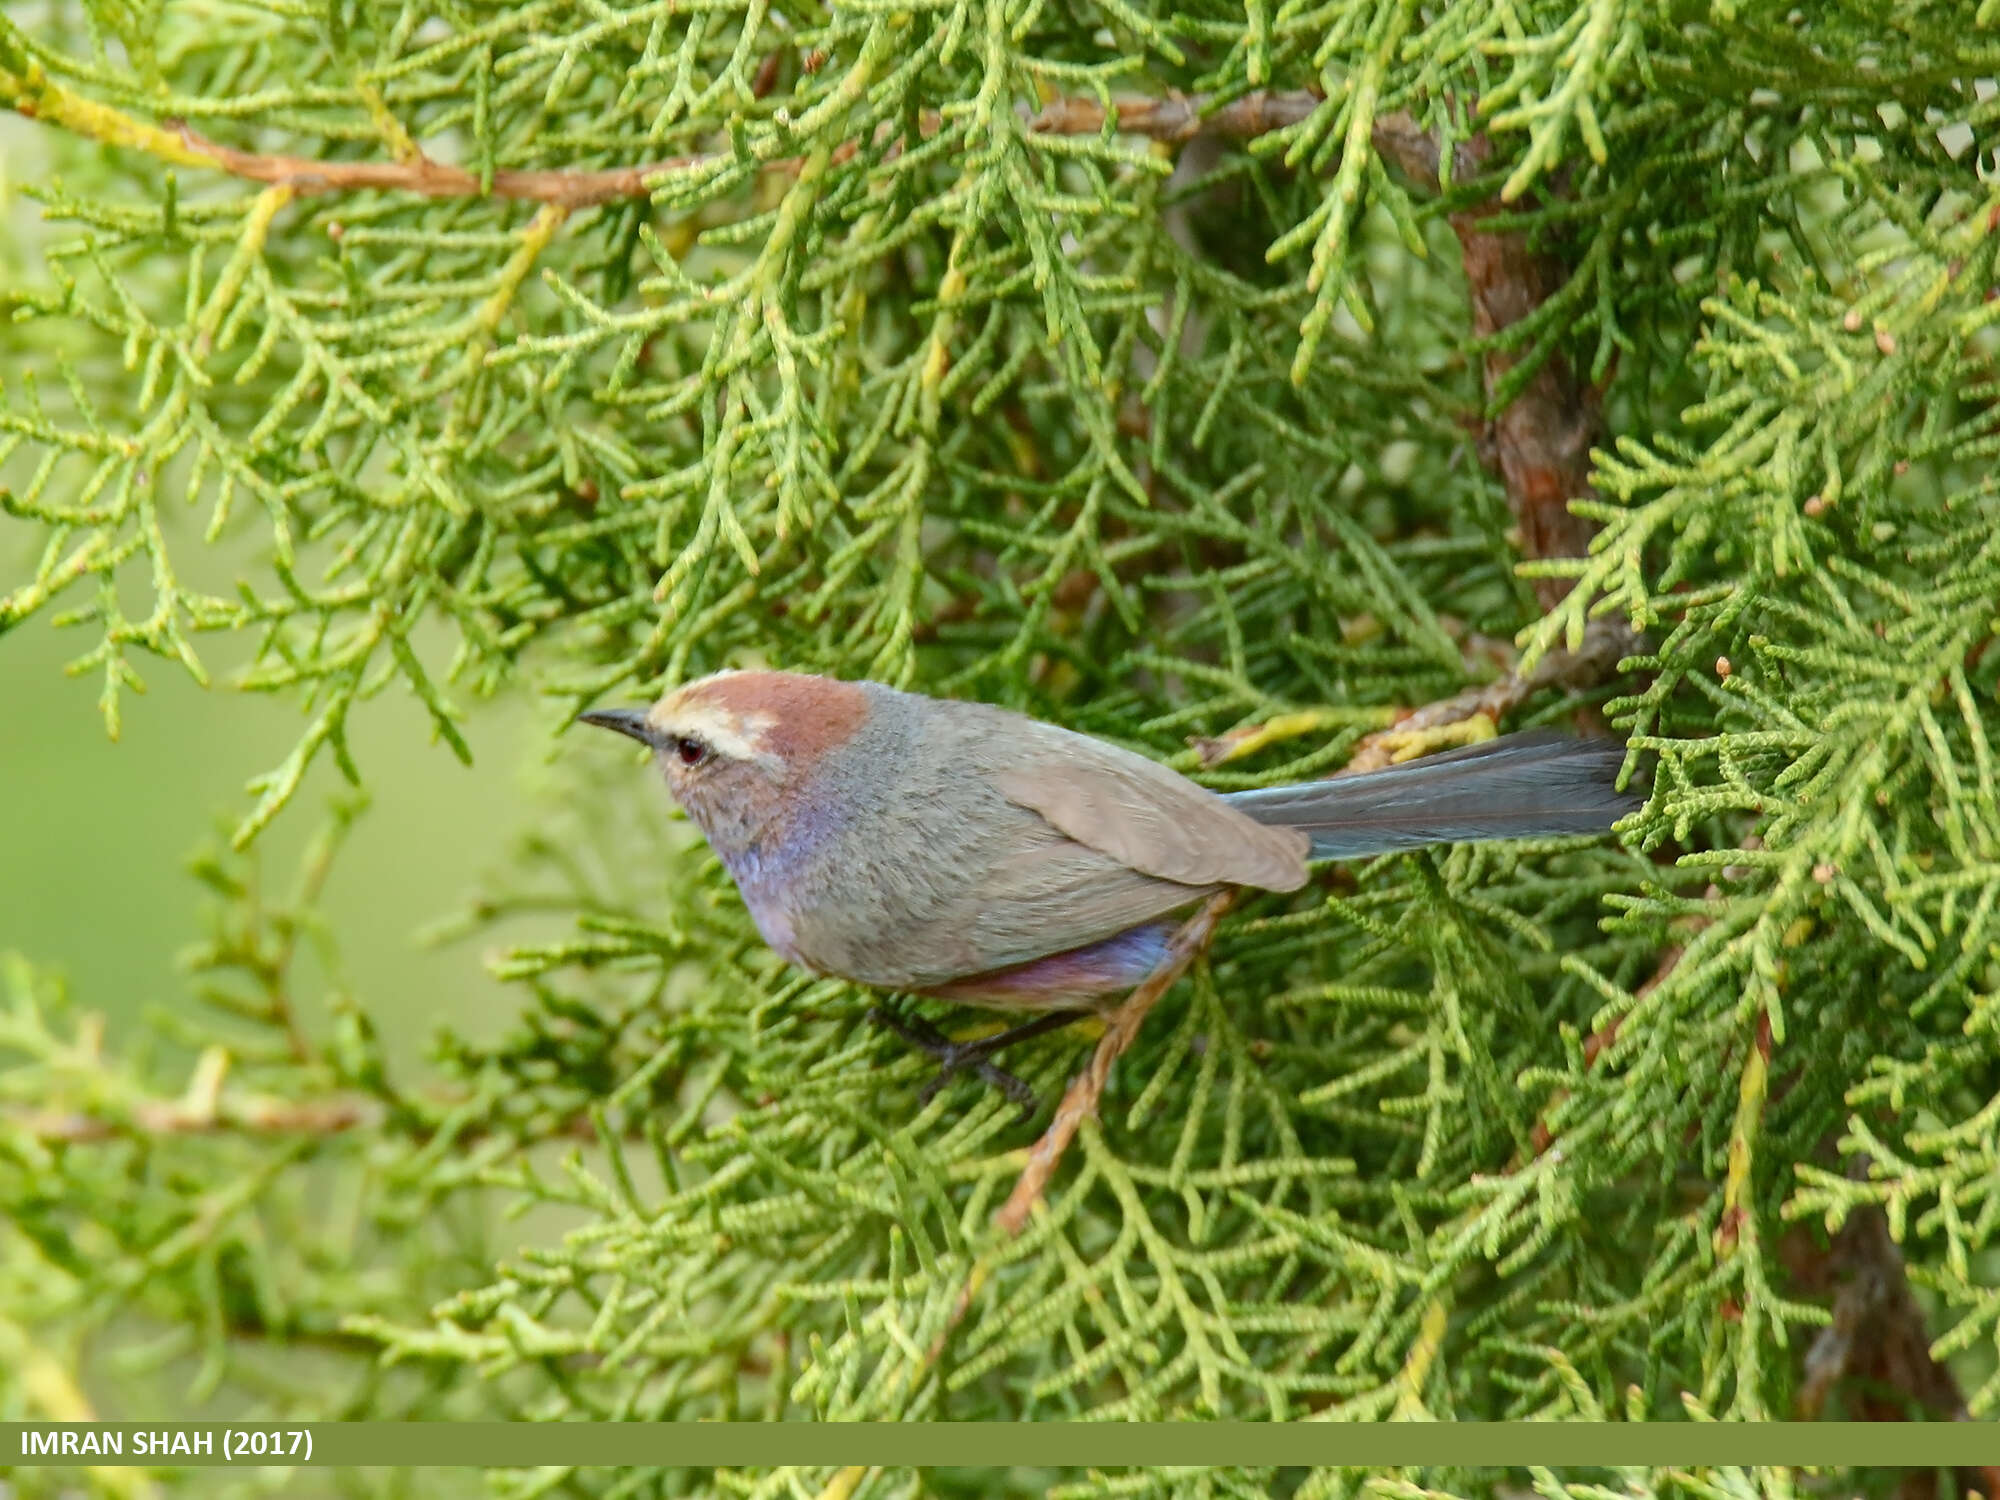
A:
627,721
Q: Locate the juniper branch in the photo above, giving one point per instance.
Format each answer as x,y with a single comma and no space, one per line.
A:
1176,118
1076,1109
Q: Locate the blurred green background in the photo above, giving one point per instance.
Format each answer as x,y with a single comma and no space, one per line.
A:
95,835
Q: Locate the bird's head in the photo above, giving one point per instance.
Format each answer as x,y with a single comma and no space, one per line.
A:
731,745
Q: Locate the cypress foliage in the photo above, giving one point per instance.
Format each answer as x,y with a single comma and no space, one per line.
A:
1270,389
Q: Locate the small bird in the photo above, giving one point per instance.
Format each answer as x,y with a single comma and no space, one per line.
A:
961,851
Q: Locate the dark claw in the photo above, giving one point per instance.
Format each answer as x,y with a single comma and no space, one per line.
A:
958,1057
950,1066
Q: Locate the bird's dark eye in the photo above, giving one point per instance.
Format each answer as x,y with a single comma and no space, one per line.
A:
692,752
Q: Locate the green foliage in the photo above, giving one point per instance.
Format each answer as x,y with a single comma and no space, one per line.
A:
881,380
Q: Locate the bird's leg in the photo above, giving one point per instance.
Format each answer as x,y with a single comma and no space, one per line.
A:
956,1057
952,1058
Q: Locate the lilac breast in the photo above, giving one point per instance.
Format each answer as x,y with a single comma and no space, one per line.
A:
762,880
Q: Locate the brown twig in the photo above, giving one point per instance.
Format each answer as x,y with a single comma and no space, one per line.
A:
243,1114
1178,117
1079,1101
1605,644
431,179
1175,117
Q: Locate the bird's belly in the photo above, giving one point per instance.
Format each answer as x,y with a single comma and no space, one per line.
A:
1075,977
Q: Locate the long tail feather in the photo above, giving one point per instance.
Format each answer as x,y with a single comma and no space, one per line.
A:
1538,784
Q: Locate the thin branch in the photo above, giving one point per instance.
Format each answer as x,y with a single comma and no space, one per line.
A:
243,1114
430,179
1079,1101
39,97
1175,117
235,1113
1605,644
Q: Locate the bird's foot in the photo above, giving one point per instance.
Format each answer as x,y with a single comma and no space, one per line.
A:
974,1056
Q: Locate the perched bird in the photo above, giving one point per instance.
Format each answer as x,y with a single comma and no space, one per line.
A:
962,851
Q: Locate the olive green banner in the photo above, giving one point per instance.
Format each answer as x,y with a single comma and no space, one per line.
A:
994,1444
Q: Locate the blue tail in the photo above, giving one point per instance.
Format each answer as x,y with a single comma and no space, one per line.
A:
1538,784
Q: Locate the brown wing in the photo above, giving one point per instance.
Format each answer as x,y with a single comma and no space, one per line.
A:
1145,816
1054,895
1017,889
